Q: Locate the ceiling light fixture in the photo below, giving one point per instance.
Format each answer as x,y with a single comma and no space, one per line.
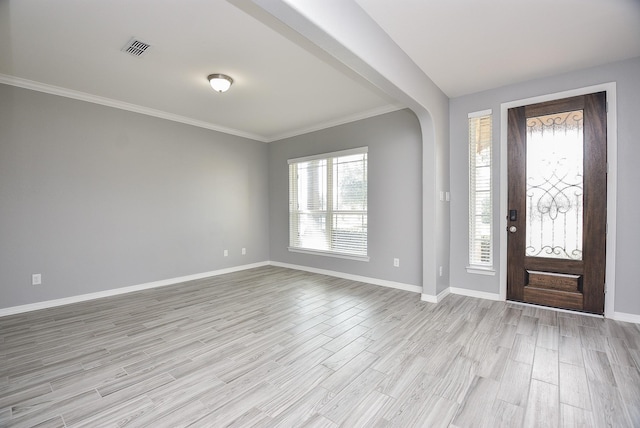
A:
220,82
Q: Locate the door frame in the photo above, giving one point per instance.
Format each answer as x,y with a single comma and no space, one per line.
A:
612,149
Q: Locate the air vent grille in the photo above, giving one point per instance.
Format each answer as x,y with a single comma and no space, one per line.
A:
136,47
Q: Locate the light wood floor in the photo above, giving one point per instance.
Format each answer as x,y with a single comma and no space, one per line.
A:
276,347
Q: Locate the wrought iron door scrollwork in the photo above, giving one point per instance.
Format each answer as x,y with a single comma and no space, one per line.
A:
555,186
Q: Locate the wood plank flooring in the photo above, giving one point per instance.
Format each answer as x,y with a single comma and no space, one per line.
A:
273,347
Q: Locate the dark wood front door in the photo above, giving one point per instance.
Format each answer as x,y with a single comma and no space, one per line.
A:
557,160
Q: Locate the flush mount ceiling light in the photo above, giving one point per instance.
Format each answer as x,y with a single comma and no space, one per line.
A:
220,82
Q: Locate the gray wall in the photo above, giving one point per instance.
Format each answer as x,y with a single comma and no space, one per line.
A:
627,76
395,195
96,198
443,214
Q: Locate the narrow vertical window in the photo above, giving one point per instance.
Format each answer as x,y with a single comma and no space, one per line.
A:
480,193
328,204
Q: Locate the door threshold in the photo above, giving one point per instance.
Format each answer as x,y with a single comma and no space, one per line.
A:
551,308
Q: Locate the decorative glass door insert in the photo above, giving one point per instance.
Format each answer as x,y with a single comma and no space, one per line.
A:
554,188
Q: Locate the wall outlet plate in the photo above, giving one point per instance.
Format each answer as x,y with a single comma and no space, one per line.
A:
36,279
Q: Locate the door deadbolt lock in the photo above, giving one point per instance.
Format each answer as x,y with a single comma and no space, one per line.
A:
512,229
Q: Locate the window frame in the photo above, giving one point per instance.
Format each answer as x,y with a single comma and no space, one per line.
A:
475,265
330,210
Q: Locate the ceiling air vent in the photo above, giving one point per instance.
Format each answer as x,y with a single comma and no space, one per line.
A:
136,47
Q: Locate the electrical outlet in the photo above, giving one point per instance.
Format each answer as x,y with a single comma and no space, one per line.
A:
440,270
226,253
36,279
244,251
396,262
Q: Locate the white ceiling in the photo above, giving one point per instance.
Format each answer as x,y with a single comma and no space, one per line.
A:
283,85
468,46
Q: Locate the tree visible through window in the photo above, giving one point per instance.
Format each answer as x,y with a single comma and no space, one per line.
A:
328,203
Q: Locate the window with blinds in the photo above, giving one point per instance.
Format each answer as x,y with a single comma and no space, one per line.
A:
328,204
480,194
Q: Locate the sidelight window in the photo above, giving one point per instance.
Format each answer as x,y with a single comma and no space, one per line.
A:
480,192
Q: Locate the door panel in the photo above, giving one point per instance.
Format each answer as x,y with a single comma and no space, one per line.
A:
557,203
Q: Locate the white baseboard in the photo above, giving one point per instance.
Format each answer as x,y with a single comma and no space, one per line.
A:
459,291
368,280
618,316
435,299
123,290
474,293
621,316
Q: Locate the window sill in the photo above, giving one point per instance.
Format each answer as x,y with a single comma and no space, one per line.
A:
477,270
329,254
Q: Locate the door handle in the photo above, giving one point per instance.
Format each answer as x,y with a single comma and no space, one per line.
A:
512,229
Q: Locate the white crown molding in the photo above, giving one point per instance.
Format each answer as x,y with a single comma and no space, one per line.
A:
95,99
344,120
109,102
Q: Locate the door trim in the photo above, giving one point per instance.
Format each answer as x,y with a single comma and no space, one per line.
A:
612,149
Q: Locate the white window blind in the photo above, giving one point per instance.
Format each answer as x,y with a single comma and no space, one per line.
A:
328,203
480,193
